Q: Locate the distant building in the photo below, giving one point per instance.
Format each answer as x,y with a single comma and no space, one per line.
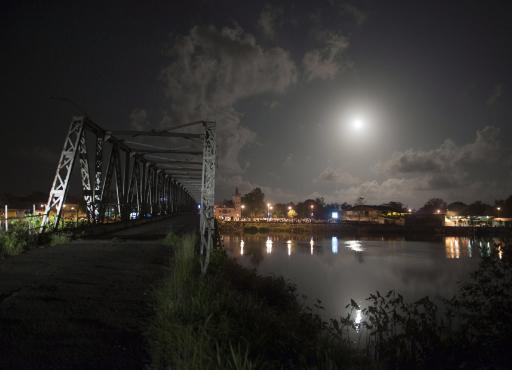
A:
229,210
373,214
452,220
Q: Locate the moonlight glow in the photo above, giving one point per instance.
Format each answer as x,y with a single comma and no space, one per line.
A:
358,123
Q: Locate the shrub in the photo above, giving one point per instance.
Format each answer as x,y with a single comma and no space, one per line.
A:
16,240
59,239
171,239
473,330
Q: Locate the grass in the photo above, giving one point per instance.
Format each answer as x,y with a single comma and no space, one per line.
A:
234,319
22,236
59,239
18,239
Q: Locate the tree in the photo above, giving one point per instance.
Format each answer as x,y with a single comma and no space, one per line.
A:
459,208
292,213
305,208
394,207
433,205
479,208
279,210
505,207
254,202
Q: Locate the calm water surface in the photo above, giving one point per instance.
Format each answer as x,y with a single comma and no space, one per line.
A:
335,269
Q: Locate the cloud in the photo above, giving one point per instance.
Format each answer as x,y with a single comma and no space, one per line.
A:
354,12
139,119
448,159
496,94
289,160
336,176
325,63
211,70
273,194
268,20
374,191
464,172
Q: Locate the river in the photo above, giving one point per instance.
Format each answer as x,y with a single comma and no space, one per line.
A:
335,269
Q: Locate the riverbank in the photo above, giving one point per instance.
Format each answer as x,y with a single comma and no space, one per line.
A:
233,318
359,229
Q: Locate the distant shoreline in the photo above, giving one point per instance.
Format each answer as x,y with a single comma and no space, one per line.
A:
360,229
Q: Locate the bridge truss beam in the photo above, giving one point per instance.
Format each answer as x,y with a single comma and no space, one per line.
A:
135,182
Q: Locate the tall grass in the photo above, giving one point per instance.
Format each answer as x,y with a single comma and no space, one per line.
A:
234,319
59,239
18,239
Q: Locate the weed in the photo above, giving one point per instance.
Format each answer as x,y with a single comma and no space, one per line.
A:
171,239
59,239
18,239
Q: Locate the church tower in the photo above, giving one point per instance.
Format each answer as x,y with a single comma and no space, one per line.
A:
237,201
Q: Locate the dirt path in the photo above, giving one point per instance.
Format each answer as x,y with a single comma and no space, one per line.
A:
83,305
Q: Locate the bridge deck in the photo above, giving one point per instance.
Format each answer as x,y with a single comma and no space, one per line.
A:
83,305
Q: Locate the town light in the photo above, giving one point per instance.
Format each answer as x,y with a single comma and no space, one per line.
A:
409,210
498,209
289,208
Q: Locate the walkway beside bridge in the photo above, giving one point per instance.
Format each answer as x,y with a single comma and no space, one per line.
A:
83,305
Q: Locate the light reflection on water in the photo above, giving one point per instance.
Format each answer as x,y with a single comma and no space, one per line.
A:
334,269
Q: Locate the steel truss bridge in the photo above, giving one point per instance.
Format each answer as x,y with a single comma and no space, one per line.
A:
137,179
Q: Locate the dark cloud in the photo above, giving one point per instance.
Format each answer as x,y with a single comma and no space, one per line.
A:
353,11
138,119
268,20
448,158
211,70
496,94
454,172
337,176
326,62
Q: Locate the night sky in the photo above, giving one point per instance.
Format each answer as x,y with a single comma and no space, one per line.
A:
384,100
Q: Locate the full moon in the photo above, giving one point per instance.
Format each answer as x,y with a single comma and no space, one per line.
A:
358,123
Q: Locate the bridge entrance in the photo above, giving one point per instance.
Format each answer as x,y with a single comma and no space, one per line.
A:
126,179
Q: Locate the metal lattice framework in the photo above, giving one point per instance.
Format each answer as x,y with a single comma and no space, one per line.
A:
136,182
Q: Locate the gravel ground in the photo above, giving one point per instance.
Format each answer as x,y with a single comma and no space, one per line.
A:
83,305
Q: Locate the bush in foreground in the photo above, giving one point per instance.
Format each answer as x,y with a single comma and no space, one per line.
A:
16,240
473,329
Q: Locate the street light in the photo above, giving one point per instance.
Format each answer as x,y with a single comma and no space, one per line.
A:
241,210
268,211
312,208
